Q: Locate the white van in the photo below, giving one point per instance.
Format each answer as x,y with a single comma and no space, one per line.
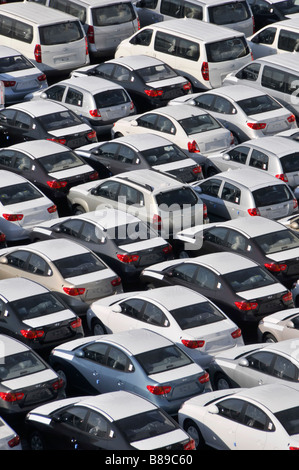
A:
235,14
203,53
52,40
276,38
106,22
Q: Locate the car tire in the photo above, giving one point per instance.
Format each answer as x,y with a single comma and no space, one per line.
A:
192,429
78,210
268,338
98,328
36,441
221,382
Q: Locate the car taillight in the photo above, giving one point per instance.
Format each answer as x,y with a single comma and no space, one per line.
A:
205,211
15,441
193,147
197,169
127,258
245,306
38,53
91,135
295,203
94,175
52,209
193,344
61,140
138,23
86,46
2,237
132,106
187,86
257,126
205,71
203,379
275,267
293,448
190,445
8,83
282,177
237,333
291,118
116,282
13,217
153,93
54,184
90,34
42,77
76,323
94,113
159,389
59,383
167,249
74,290
12,396
157,222
253,212
287,297
32,334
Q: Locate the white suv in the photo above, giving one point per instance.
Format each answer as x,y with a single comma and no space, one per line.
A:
164,202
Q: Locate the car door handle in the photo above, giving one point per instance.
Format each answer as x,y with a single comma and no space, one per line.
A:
95,373
260,382
120,383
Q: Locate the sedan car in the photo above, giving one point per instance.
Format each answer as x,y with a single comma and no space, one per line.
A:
248,113
139,361
120,239
184,316
279,326
62,266
240,287
36,316
19,75
26,380
142,151
42,119
22,206
50,166
244,419
150,82
103,422
193,130
9,439
246,192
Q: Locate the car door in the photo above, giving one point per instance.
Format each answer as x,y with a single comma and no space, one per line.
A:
264,42
23,128
255,430
104,195
68,427
55,92
74,100
210,194
256,371
232,204
234,158
127,318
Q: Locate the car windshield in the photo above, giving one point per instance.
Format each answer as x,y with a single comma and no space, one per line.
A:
191,316
290,162
176,199
247,279
60,161
116,13
163,359
156,72
61,33
275,242
227,13
258,105
145,425
289,419
198,124
19,365
14,64
18,193
269,195
287,6
130,233
78,265
227,49
111,98
36,306
165,154
59,120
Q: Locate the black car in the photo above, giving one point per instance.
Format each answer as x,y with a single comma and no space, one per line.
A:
150,82
142,151
52,167
240,287
41,119
121,240
269,11
112,421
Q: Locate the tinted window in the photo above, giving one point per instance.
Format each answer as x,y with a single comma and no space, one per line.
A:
205,101
229,13
259,104
173,45
255,418
132,307
285,369
17,259
161,155
18,193
259,160
111,98
228,49
114,14
211,187
36,306
60,161
290,162
129,195
231,193
277,241
192,316
78,265
60,33
250,72
239,154
154,315
108,190
185,272
288,40
289,418
231,408
223,106
287,7
266,36
20,365
156,72
278,80
261,361
58,120
15,29
181,9
143,38
247,279
69,7
74,97
198,124
179,197
272,195
163,359
14,64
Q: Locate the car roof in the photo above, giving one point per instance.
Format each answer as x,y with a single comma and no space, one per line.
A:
40,148
53,249
224,262
8,178
11,346
287,346
143,141
270,396
38,107
237,92
288,60
257,226
137,62
292,22
36,13
178,112
100,3
216,2
150,180
6,51
276,144
108,218
249,178
91,84
19,288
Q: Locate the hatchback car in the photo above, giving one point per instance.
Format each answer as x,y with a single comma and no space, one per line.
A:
103,422
184,316
42,119
35,315
139,360
244,419
19,75
120,239
22,206
26,380
162,201
99,102
150,82
9,439
240,287
50,166
248,113
245,193
279,326
256,364
140,151
194,130
62,266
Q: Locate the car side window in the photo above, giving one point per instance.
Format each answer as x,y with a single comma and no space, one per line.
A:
121,74
2,309
56,92
231,193
288,40
205,278
211,187
185,272
236,241
132,308
250,72
216,235
8,116
223,106
205,101
105,70
108,150
259,160
6,157
239,154
266,36
274,79
130,195
74,97
164,124
261,361
148,121
90,233
118,360
231,408
108,190
18,259
143,38
154,315
96,352
285,369
71,227
126,154
22,162
74,417
38,265
98,426
23,121
256,418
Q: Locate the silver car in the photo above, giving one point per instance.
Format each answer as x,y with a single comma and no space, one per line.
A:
246,112
244,193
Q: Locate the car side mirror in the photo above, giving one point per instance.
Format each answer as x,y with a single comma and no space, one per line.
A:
134,123
57,229
44,96
116,309
79,353
226,157
243,362
3,260
213,409
169,273
290,324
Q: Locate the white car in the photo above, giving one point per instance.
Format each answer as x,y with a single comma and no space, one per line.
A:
22,206
194,130
184,316
261,418
9,439
279,326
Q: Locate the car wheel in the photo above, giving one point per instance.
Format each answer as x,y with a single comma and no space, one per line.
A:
36,441
77,210
222,382
268,338
98,328
192,429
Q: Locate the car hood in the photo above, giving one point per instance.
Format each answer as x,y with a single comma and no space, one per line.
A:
164,440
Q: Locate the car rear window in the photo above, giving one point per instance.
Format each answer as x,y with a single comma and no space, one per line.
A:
269,195
277,241
163,359
247,279
191,316
227,13
198,124
165,154
130,233
258,105
36,306
111,98
60,33
14,64
18,193
60,161
20,365
289,419
228,49
178,197
156,72
53,121
78,265
290,162
113,14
